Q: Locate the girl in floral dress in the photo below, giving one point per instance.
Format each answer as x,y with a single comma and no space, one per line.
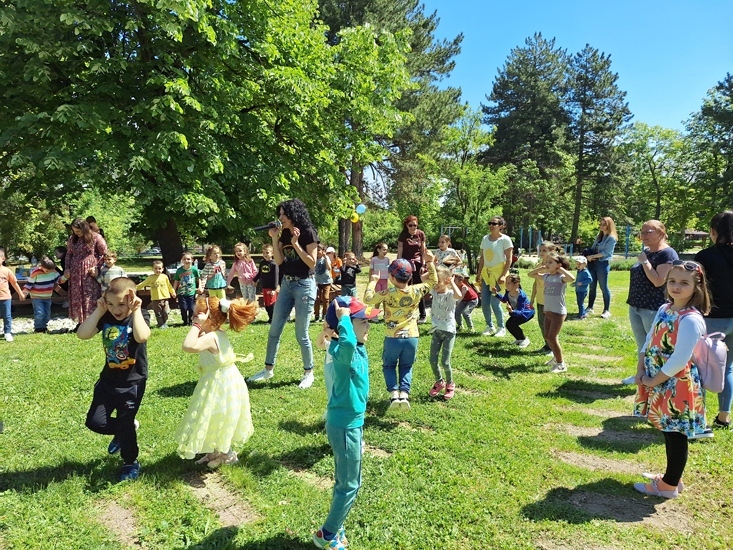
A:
218,416
85,251
669,392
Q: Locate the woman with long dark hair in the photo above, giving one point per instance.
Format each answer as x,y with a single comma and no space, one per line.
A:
295,247
85,251
717,260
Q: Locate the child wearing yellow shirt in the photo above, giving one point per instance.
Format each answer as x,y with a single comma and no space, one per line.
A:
161,291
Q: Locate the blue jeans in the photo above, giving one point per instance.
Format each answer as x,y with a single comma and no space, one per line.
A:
346,445
5,312
301,294
463,311
492,304
348,290
725,398
641,323
580,298
445,340
400,351
41,313
599,269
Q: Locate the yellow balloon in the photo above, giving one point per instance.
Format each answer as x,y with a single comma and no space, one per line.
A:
354,217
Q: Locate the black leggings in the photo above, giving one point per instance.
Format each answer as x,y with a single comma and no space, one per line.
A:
416,280
514,328
676,445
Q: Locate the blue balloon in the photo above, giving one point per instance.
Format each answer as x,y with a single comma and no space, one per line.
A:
361,209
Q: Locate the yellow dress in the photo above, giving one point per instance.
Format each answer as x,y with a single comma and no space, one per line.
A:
218,416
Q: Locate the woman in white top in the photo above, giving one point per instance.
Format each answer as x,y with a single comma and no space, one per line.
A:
493,267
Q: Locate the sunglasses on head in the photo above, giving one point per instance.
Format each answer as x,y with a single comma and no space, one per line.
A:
494,223
689,265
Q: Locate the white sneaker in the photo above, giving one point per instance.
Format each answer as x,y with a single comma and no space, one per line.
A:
500,333
628,381
264,374
488,331
589,311
516,342
307,380
551,361
9,337
559,367
523,343
606,314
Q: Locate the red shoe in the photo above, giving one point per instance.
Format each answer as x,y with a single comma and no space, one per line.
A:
450,390
438,387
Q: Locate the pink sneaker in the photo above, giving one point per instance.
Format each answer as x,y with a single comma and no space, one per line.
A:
438,387
450,390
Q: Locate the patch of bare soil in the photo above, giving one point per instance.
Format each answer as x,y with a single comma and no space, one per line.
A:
600,413
647,511
410,427
599,464
309,477
604,358
213,493
376,452
121,522
611,436
544,544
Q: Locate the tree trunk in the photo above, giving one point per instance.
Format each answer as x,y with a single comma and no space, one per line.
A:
357,237
170,242
578,190
344,236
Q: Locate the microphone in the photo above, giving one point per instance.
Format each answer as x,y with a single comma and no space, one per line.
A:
269,226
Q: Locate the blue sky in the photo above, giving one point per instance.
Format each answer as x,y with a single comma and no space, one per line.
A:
667,53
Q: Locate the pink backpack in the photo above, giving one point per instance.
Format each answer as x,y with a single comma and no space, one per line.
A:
711,357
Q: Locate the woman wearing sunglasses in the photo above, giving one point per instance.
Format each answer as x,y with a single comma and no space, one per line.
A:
646,283
599,264
717,260
493,267
411,247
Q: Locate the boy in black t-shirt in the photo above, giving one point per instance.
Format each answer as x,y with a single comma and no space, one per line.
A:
125,329
269,278
349,271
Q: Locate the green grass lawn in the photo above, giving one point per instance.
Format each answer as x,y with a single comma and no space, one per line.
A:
519,458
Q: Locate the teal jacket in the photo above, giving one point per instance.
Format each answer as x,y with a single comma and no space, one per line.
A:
346,372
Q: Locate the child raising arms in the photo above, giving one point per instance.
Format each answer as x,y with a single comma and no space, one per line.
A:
218,415
401,302
125,331
520,312
669,394
245,269
379,264
555,275
212,277
443,317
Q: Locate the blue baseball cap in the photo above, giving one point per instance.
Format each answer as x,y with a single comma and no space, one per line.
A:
358,309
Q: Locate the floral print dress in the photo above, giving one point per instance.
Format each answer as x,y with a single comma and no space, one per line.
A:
84,289
677,405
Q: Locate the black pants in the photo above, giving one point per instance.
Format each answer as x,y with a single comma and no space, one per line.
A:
676,445
416,280
126,401
514,328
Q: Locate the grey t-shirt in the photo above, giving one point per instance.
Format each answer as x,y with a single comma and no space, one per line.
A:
555,294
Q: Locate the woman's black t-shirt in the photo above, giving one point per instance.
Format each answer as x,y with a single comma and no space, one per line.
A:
292,265
718,263
642,292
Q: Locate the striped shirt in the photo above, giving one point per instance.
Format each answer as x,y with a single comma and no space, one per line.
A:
106,274
41,283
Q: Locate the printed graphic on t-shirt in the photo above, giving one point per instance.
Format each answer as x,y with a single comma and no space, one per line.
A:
116,339
289,253
264,268
187,283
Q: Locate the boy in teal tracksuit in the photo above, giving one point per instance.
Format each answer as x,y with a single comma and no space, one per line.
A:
346,373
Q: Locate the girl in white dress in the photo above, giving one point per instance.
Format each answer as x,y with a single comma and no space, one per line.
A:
218,416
